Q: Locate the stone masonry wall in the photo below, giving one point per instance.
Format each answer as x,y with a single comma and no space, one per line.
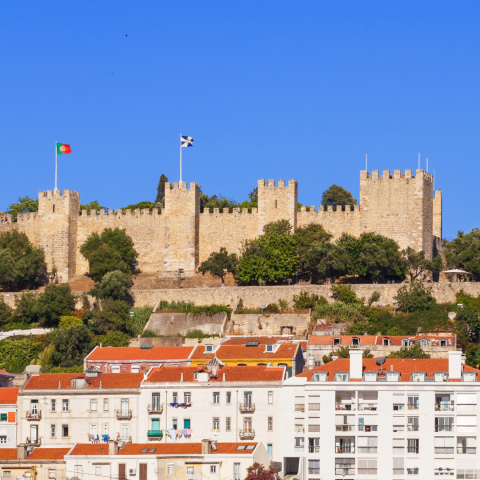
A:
437,214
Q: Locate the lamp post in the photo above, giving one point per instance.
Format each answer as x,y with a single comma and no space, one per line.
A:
262,307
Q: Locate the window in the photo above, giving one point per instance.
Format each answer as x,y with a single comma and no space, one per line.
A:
398,446
423,342
412,445
3,417
98,470
444,445
228,424
115,368
393,377
7,474
467,445
155,402
398,466
405,342
216,423
93,405
34,407
186,423
270,424
440,377
64,431
208,348
355,341
175,397
367,424
314,467
444,424
469,377
370,377
443,343
135,369
319,376
187,397
299,404
341,377
105,404
51,473
412,424
124,403
171,469
174,423
367,444
241,364
299,444
337,341
386,342
399,406
216,398
398,428
417,377
269,348
270,449
229,398
270,398
213,469
52,431
65,405
190,469
247,424
105,428
413,403
367,467
314,445
3,439
317,364
54,405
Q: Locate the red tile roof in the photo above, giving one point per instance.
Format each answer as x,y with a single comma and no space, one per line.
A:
232,374
366,340
405,366
139,354
109,380
8,453
48,453
262,339
286,350
4,372
161,449
8,395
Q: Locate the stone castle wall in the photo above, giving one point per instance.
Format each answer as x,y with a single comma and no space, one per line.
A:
399,206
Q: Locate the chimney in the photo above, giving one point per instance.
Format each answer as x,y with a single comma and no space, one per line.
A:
22,452
334,357
454,364
356,366
181,376
223,376
112,447
206,447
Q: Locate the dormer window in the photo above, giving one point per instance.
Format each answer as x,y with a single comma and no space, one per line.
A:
443,343
135,368
342,377
337,341
355,341
392,376
404,342
208,348
269,347
370,377
386,341
417,377
424,342
319,376
440,377
469,376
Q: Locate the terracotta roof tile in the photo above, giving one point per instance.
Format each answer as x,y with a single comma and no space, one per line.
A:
109,380
366,340
232,374
405,366
90,449
286,350
8,396
48,453
262,339
8,453
137,353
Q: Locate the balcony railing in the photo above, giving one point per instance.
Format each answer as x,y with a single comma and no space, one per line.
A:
34,441
444,428
345,449
314,470
413,406
124,438
398,450
155,408
367,428
345,428
412,428
247,434
367,449
367,406
154,434
345,406
314,428
467,450
444,407
398,471
299,407
124,414
412,449
299,429
313,449
299,448
442,450
34,416
413,471
347,470
247,407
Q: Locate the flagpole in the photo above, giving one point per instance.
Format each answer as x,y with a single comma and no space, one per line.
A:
55,166
180,160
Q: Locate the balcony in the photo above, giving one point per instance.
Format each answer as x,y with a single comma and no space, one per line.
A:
299,429
299,407
398,471
412,471
247,434
347,469
367,471
367,428
314,428
364,407
34,442
467,450
444,428
345,449
155,434
412,428
345,406
412,449
444,407
246,407
444,450
155,408
413,406
124,438
314,449
34,415
345,428
123,414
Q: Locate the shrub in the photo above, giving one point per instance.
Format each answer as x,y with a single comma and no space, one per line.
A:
283,305
71,346
344,293
114,316
16,354
149,334
219,263
5,312
197,333
271,308
141,315
113,286
68,321
305,300
414,351
113,339
344,352
339,311
415,297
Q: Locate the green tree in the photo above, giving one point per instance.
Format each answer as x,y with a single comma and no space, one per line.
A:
415,297
16,354
5,312
113,339
472,354
271,258
26,310
141,205
25,204
467,325
344,352
160,200
21,264
114,316
252,202
209,203
309,235
466,299
418,265
258,472
344,293
464,252
305,300
71,346
68,321
55,302
111,250
336,195
414,351
93,205
114,286
219,263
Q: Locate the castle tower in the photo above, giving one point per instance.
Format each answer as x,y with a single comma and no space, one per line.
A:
181,226
277,203
437,214
398,206
57,230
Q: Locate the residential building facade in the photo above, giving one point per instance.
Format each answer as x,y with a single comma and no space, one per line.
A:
8,417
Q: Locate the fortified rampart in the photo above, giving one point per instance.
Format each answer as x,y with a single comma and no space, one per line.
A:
399,206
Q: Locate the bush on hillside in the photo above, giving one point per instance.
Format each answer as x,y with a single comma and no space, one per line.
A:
113,286
71,346
415,297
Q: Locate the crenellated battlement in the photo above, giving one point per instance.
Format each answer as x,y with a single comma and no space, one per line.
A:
329,208
27,217
397,175
120,214
226,211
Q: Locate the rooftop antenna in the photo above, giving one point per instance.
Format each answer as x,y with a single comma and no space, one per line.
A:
433,179
366,168
419,161
427,165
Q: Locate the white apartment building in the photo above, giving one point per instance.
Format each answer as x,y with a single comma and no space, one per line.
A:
354,419
217,402
61,409
8,417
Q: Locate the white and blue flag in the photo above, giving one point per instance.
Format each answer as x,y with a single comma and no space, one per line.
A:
186,141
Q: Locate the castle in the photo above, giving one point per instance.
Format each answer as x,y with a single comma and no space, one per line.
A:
399,206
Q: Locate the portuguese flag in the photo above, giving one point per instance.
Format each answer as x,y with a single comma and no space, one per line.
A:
63,148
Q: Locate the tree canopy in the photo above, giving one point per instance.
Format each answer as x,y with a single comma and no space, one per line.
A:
160,199
113,286
111,250
418,265
414,351
336,195
25,204
415,297
464,252
140,205
71,346
93,205
215,201
219,263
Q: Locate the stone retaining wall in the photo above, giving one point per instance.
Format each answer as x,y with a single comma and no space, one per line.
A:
180,323
273,324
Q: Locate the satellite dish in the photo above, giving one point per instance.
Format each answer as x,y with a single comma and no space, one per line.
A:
380,361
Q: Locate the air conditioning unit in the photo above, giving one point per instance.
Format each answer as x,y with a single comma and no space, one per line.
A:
132,471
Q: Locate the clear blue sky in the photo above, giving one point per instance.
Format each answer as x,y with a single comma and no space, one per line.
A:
267,89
